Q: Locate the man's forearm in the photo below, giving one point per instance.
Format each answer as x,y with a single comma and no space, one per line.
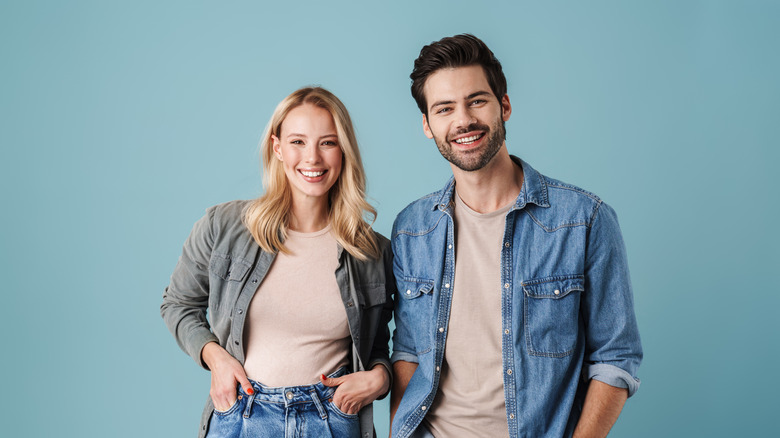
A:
402,374
602,407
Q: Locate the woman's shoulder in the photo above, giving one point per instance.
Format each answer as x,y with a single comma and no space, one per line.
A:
227,217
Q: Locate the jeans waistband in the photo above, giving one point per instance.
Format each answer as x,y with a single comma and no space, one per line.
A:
290,395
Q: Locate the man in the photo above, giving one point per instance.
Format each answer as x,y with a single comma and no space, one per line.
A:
514,315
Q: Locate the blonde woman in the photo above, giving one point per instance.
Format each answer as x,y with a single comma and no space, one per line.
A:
296,285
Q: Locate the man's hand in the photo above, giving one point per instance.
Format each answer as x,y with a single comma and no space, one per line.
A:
602,407
356,390
226,373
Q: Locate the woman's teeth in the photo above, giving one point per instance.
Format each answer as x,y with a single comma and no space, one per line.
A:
312,174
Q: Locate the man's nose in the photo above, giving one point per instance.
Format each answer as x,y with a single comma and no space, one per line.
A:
465,117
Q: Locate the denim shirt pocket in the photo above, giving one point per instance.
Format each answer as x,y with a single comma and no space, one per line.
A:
552,314
417,306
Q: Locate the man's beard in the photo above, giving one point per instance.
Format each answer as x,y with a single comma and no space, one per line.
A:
475,159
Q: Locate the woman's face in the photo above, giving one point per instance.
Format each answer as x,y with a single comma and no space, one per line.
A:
310,152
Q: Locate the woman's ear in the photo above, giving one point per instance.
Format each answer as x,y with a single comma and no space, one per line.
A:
277,147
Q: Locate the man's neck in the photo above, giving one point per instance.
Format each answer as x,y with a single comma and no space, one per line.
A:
492,187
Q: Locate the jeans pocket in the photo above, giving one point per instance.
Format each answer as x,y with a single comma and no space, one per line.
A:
339,412
233,408
551,314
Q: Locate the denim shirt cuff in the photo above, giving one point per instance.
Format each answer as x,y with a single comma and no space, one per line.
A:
404,356
613,376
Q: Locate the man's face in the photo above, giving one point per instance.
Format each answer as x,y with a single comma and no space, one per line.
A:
465,118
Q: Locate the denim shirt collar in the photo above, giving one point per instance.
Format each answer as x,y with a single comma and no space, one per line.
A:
534,189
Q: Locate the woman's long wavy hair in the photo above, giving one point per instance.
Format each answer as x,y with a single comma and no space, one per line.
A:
268,217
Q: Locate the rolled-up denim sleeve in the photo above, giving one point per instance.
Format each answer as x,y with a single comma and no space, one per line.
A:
613,348
186,298
403,342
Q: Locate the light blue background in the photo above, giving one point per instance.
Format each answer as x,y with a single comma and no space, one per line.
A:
121,122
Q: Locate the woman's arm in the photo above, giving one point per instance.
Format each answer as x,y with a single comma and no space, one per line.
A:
186,298
226,373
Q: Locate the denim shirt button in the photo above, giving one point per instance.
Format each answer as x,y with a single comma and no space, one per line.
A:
506,332
506,285
408,291
422,408
509,372
441,329
289,395
511,416
557,292
447,285
506,244
449,246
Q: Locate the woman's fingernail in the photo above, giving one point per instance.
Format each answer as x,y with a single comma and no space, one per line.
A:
322,376
250,391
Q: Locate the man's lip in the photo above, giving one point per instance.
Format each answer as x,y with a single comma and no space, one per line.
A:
468,134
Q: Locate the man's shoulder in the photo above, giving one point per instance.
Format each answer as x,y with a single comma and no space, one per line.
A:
569,191
569,204
421,214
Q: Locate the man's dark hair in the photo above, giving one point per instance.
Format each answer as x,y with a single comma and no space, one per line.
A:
456,51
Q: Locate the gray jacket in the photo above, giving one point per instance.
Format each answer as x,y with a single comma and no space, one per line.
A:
219,271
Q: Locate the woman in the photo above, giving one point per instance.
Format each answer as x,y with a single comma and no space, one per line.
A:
290,346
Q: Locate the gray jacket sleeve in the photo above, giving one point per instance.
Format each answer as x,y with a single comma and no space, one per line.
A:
186,299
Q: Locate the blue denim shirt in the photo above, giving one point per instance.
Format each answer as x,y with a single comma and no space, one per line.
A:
567,309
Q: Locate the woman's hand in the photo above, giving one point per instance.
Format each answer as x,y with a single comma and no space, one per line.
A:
226,371
358,389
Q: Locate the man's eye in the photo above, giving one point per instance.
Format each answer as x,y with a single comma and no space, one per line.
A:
443,110
478,101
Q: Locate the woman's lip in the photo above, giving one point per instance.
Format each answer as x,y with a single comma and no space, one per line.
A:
313,179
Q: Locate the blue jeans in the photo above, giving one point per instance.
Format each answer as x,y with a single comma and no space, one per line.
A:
289,412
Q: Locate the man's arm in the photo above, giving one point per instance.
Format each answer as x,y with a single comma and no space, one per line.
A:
602,407
402,374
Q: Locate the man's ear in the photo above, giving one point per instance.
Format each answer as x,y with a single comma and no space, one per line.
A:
426,128
506,108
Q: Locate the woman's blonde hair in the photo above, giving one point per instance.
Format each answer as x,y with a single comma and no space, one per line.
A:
268,217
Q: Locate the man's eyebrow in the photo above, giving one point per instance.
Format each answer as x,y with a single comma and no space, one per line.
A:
470,96
478,93
442,102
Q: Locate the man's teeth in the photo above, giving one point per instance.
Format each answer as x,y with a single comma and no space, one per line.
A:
468,140
312,174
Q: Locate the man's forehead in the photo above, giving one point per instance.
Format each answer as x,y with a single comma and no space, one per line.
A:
455,83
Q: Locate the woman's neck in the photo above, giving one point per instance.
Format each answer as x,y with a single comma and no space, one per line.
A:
309,215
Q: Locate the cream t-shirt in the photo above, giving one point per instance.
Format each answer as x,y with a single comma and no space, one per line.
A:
297,326
470,399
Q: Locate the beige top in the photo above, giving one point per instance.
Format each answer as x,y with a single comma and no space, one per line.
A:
470,399
297,326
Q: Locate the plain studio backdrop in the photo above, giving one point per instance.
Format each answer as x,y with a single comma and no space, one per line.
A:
121,122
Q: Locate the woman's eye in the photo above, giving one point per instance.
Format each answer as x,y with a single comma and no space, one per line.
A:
329,143
297,142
